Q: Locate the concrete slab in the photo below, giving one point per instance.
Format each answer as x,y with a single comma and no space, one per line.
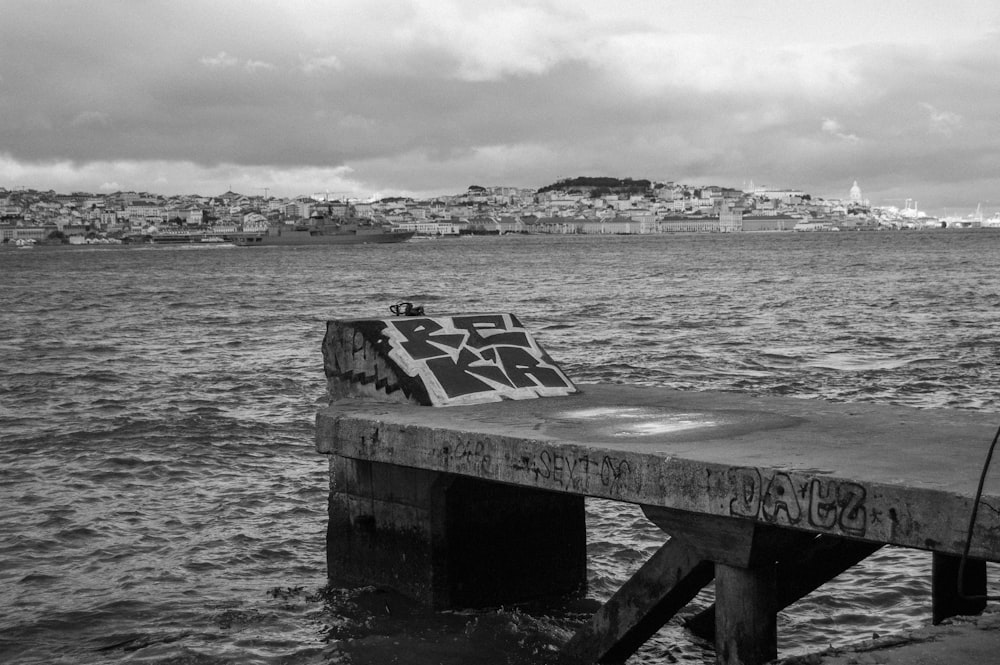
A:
879,473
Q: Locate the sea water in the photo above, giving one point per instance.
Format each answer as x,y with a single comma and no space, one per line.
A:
161,500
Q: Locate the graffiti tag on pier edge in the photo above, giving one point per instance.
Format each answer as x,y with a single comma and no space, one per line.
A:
822,504
604,473
472,455
579,473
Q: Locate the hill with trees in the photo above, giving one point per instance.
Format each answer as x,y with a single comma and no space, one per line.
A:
597,186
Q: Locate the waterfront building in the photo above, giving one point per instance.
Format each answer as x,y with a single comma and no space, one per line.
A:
144,211
753,223
783,195
689,224
555,225
611,226
646,220
230,226
430,228
730,220
10,211
10,232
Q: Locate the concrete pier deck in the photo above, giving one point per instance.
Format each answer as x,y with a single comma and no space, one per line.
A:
460,456
771,497
890,475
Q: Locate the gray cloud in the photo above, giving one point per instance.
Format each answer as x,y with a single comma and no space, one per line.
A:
518,95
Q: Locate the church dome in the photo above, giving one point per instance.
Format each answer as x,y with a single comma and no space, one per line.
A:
855,192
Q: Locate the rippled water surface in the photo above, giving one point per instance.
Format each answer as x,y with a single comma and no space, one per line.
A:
161,501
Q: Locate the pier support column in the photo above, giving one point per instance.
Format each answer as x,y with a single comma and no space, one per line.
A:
745,615
664,585
450,541
741,554
445,540
946,601
800,571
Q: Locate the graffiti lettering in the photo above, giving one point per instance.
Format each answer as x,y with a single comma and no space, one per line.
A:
827,505
464,359
423,339
566,471
779,504
470,455
746,491
853,516
490,330
615,473
524,369
578,473
460,377
822,505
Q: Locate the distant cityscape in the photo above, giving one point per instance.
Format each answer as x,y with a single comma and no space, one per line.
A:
584,205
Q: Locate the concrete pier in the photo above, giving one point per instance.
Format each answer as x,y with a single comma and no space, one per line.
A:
482,503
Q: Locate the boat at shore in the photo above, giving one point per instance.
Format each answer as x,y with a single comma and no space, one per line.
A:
188,239
346,232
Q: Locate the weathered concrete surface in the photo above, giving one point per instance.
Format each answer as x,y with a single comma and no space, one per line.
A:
871,472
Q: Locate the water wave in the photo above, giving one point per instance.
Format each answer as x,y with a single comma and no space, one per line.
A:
160,500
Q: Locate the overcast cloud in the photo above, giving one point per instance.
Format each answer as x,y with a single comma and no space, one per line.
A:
380,97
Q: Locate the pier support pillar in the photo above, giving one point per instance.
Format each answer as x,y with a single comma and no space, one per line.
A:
450,541
743,556
946,601
745,615
661,587
800,571
443,539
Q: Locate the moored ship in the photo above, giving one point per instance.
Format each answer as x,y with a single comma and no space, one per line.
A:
322,232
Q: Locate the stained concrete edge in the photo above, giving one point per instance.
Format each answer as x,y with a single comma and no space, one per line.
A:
956,641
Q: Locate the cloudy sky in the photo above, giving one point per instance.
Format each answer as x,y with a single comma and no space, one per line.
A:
420,97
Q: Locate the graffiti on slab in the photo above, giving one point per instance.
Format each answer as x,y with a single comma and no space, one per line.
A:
470,455
828,505
605,474
474,358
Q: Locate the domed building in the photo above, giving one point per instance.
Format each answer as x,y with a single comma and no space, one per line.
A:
856,198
